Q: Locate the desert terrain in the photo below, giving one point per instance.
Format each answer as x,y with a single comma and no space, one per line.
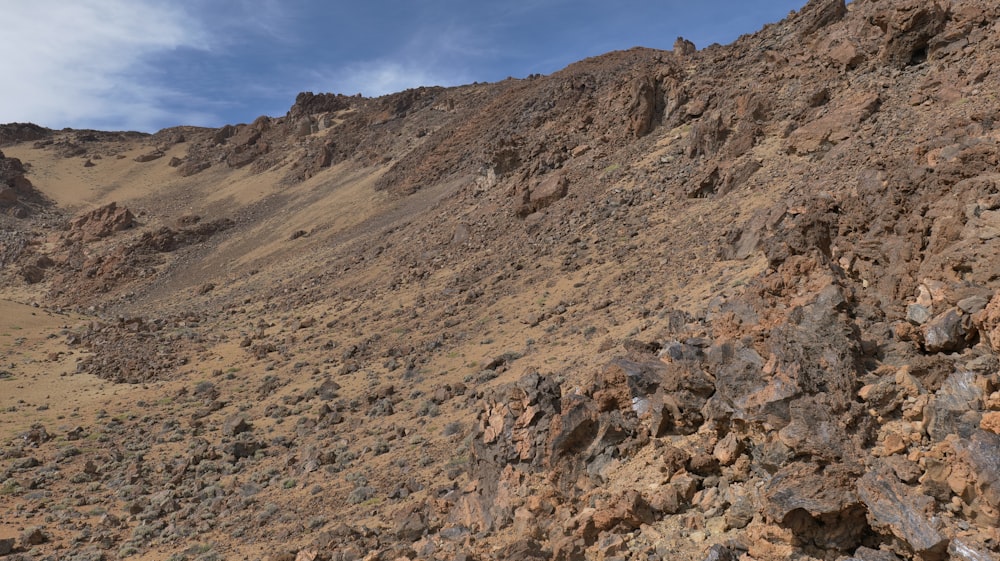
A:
716,303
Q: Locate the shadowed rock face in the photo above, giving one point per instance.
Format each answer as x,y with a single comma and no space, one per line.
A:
732,303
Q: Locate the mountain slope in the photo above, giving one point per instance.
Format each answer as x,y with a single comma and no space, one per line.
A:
693,305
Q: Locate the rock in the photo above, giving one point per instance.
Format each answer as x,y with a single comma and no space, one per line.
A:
818,14
643,107
896,508
307,555
972,304
819,505
988,322
192,167
667,397
6,546
234,425
946,332
36,435
101,222
982,454
955,407
741,512
8,196
666,500
910,26
719,552
625,512
684,47
242,449
33,536
32,274
526,549
834,127
867,554
410,524
728,449
915,313
990,422
548,191
962,551
149,156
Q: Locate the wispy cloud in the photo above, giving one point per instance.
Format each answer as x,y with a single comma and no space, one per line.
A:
443,55
381,77
82,63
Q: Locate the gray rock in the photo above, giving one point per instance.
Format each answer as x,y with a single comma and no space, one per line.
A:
955,408
720,552
962,551
899,509
915,313
867,554
982,453
235,425
34,536
6,546
972,304
945,333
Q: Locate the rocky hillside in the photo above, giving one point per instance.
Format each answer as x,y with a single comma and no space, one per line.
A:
739,302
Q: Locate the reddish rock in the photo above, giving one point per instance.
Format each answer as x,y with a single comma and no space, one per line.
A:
101,222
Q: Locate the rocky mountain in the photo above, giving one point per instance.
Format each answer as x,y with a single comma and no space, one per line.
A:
731,303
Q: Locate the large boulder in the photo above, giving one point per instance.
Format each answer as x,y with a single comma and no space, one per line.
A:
818,504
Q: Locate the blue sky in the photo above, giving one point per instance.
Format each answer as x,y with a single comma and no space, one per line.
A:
149,64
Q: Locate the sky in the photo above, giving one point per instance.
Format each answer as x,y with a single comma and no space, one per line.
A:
150,64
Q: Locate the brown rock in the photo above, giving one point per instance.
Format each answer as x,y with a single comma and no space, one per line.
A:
728,449
627,512
410,524
818,14
643,108
910,26
991,422
33,536
818,504
307,555
835,127
550,190
988,322
683,47
8,196
101,222
149,156
666,500
893,444
235,424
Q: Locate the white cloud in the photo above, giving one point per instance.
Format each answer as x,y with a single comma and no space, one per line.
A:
429,57
381,77
79,63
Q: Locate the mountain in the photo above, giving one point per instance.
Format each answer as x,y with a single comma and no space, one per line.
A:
731,303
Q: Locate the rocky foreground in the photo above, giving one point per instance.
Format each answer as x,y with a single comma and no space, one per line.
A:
740,302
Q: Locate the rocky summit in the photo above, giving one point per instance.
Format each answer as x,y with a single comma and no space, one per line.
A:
716,303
